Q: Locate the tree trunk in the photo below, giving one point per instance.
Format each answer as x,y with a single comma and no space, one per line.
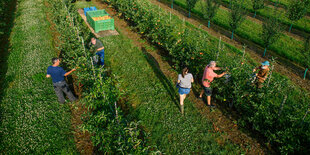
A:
276,3
254,14
290,28
265,51
232,34
243,54
172,4
209,24
305,74
270,75
189,13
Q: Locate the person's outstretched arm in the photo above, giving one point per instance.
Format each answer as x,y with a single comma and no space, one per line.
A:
68,73
255,69
99,49
217,68
221,75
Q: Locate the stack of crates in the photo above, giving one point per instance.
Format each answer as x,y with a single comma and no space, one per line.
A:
100,25
89,9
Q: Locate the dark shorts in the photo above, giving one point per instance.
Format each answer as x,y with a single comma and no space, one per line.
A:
259,84
208,91
184,91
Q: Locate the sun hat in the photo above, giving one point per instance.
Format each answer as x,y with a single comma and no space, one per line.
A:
265,63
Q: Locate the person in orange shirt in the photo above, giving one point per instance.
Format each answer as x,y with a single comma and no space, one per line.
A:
262,74
208,77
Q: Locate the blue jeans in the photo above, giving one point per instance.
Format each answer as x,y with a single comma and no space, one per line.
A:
101,55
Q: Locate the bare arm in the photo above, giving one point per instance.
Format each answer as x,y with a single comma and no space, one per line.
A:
48,76
217,68
221,75
99,49
263,78
68,73
255,69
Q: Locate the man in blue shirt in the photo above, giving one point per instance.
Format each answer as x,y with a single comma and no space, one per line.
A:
58,76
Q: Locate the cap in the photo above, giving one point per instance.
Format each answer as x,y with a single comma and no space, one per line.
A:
266,63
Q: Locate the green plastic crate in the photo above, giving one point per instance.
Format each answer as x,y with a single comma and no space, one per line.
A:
99,25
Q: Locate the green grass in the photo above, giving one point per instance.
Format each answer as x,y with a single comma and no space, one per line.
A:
286,46
156,100
84,4
285,3
32,121
302,24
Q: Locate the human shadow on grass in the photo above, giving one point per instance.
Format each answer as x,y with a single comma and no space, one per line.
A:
161,76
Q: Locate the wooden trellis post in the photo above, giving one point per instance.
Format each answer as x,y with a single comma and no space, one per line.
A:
219,48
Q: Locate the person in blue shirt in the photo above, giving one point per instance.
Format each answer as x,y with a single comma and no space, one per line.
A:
58,77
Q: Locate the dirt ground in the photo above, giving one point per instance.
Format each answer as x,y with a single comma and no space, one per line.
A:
221,123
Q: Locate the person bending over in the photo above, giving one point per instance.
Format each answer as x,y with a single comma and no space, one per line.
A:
58,77
262,74
208,77
99,49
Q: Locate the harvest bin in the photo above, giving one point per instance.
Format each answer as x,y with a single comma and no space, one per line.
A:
99,25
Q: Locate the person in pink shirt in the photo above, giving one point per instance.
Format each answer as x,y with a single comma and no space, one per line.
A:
208,77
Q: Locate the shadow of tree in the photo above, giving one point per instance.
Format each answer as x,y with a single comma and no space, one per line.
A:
8,16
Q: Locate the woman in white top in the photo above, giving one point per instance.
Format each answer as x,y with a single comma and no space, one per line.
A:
185,81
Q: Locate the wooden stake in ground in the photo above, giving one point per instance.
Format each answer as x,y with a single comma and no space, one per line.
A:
219,48
243,53
283,102
272,67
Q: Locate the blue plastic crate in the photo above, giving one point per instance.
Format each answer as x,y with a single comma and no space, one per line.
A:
89,9
85,10
93,8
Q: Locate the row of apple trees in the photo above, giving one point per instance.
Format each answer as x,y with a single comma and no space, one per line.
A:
111,132
278,111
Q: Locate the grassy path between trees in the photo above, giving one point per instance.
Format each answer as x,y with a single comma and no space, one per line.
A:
32,121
